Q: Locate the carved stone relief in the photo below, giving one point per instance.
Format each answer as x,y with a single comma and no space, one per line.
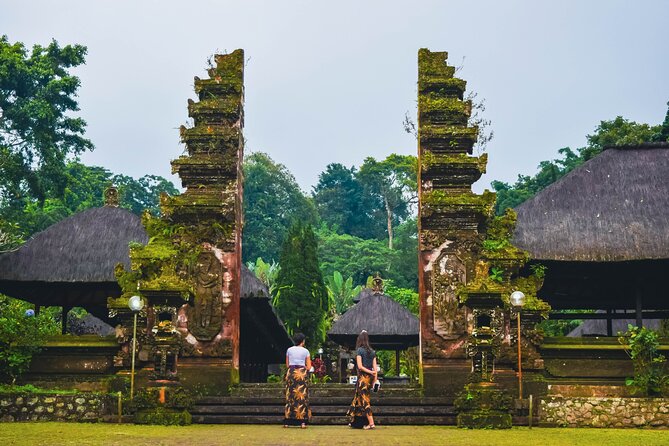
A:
449,320
205,317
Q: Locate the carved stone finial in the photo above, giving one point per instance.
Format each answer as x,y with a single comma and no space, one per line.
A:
377,284
111,197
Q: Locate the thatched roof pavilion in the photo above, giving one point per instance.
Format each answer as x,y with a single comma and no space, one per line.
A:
71,264
603,232
390,326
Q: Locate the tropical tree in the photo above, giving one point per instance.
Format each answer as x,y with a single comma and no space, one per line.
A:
360,258
663,132
142,194
39,131
343,204
301,298
272,200
353,256
406,297
85,188
393,182
404,270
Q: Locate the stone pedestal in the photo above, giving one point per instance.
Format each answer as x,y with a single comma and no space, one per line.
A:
484,406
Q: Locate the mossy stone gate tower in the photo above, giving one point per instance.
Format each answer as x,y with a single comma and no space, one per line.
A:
451,220
194,249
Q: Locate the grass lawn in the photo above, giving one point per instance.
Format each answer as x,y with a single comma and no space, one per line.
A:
54,434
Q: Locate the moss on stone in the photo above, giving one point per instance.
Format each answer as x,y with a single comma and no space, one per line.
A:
210,133
232,63
440,199
227,106
483,407
429,160
445,131
441,84
223,85
431,102
212,160
161,264
431,63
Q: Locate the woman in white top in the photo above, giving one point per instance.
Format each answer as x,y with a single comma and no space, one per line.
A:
298,361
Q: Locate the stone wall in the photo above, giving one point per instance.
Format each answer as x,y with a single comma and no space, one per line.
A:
74,407
604,412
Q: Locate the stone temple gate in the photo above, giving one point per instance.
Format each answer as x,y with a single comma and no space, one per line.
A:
194,254
450,214
194,250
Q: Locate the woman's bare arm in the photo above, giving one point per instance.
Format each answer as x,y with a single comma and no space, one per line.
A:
307,362
375,367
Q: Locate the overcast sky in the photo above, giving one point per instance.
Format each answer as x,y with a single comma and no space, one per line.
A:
331,82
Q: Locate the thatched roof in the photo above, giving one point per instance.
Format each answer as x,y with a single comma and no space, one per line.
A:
388,323
615,207
84,247
251,286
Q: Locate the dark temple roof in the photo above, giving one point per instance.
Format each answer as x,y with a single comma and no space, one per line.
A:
84,247
615,207
388,323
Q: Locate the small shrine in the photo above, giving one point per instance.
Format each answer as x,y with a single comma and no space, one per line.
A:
390,325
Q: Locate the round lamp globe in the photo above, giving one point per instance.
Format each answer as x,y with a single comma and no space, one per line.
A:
517,298
135,303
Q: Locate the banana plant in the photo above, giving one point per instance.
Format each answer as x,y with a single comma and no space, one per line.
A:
341,292
267,273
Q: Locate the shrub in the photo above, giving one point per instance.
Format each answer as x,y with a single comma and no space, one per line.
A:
650,372
21,334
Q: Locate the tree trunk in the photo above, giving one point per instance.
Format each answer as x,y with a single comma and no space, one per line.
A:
389,214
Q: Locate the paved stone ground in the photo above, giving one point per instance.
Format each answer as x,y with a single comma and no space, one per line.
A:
57,434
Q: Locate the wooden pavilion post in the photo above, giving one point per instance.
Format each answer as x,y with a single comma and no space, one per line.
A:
397,363
609,322
639,304
63,317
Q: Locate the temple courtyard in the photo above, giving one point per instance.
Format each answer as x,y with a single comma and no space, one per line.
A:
54,434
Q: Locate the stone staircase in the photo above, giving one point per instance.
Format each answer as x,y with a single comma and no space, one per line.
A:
264,404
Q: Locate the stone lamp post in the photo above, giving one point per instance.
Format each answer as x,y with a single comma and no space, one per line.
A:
517,301
135,303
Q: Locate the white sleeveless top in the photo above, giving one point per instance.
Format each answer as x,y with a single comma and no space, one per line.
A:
297,355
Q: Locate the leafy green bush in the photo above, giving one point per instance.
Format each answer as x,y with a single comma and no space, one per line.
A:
406,297
650,371
274,379
21,334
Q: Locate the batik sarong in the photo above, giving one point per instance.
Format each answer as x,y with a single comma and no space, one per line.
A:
361,405
297,409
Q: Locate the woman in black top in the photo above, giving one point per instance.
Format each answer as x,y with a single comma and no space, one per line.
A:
360,411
